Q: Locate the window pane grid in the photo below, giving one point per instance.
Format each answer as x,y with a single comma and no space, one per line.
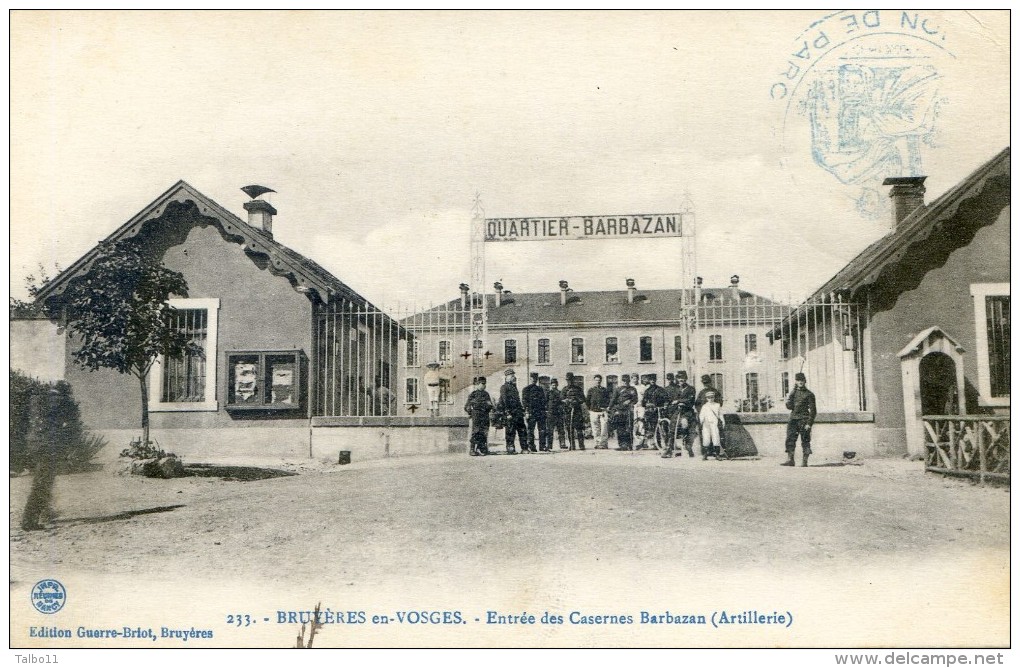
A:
184,377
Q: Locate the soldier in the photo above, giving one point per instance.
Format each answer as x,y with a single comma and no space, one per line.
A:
803,411
621,413
573,402
554,416
512,410
706,381
654,401
682,418
535,404
479,407
597,402
639,411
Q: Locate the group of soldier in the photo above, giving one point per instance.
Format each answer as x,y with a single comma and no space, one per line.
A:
531,416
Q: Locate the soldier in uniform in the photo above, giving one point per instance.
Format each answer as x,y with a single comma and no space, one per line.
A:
554,416
535,404
654,402
682,418
803,412
621,413
512,410
479,407
597,401
573,403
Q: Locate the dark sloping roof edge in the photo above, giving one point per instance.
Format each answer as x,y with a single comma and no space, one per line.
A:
868,266
303,271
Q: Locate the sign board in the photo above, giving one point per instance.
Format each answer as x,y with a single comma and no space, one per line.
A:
636,226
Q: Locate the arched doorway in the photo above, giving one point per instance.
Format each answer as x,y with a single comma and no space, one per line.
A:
932,373
939,393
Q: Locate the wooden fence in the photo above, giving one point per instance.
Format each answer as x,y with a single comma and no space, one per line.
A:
970,445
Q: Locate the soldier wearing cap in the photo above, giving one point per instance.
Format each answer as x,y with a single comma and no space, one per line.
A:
554,416
479,407
803,411
535,405
654,401
573,403
682,419
511,409
597,401
706,381
621,413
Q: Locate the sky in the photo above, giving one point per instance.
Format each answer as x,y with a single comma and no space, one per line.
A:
378,130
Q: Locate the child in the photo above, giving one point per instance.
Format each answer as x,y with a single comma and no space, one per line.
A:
712,424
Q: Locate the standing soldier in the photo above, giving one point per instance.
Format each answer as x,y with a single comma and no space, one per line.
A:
683,420
706,381
535,404
573,403
654,402
803,411
554,416
479,407
621,413
512,410
597,402
639,412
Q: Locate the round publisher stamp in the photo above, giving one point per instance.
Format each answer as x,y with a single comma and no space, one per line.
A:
48,596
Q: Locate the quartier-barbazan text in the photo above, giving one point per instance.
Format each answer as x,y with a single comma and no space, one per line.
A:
583,227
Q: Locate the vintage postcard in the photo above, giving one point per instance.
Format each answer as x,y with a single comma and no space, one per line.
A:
511,330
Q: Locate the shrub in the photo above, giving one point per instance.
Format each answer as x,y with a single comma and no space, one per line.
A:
48,426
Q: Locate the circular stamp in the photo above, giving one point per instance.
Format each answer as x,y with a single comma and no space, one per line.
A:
48,596
860,92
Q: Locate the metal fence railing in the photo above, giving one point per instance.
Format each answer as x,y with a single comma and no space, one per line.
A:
414,361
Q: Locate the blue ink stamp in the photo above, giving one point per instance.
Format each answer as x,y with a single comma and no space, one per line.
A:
861,93
48,596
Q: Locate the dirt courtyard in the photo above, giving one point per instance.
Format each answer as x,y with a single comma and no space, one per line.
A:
857,555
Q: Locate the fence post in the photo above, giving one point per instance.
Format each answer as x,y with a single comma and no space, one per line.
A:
981,450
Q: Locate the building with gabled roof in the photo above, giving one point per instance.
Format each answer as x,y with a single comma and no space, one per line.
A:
935,329
268,322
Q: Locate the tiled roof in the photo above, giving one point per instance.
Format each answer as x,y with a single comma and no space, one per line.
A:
610,307
944,220
302,271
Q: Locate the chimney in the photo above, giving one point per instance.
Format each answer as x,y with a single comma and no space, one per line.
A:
464,295
907,194
735,287
499,292
564,289
260,212
697,289
631,290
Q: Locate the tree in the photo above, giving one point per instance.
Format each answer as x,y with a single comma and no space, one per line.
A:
119,310
33,285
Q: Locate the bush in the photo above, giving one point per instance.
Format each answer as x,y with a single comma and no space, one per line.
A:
49,426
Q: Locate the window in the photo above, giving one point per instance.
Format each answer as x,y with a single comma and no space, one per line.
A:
188,383
784,384
715,347
413,353
645,349
477,344
785,346
411,391
612,349
750,343
577,350
678,348
543,351
445,348
717,382
445,396
991,323
510,351
751,386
